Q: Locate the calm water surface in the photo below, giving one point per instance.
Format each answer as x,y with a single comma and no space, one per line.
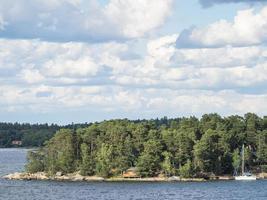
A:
12,160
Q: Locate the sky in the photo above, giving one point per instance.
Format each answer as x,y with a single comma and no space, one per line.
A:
64,61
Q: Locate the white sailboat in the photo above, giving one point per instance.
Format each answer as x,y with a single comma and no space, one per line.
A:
245,176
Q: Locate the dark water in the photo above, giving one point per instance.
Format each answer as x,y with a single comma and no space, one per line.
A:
12,160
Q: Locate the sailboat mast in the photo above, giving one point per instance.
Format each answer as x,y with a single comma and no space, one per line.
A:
243,160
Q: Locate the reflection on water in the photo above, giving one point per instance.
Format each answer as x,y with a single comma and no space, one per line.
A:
12,160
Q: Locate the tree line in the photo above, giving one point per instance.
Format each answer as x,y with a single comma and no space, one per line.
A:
186,147
30,135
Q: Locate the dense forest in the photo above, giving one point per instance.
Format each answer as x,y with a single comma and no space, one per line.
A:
29,135
187,147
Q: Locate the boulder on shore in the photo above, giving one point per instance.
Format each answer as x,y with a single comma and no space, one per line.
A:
27,176
174,178
262,175
59,176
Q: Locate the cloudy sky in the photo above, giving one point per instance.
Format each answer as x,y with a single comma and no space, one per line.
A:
66,61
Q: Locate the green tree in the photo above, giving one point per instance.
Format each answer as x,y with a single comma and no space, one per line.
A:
60,154
149,161
170,145
184,145
235,127
166,164
124,155
207,152
35,162
104,160
88,163
186,171
236,160
211,121
262,147
253,124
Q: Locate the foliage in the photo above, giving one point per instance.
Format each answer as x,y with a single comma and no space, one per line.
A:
207,152
186,171
166,164
35,162
88,163
181,146
262,147
31,135
236,160
103,166
60,152
149,161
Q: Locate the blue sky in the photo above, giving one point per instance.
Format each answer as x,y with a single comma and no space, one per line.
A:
64,61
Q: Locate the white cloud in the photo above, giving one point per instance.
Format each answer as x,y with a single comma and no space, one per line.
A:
36,62
198,102
47,77
63,66
83,20
248,28
137,17
219,57
106,73
216,68
140,102
31,76
162,48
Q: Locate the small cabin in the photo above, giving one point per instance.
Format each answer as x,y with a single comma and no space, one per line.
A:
131,173
17,142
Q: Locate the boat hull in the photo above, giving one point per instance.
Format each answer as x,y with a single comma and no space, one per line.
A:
245,178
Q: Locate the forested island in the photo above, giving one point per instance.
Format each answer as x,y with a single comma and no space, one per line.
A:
184,147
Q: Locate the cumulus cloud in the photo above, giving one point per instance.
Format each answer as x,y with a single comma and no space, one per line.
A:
81,20
207,3
139,102
248,28
137,17
63,66
212,57
86,57
37,62
28,63
48,77
217,68
31,76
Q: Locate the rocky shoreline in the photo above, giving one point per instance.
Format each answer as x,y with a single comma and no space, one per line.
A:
77,177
